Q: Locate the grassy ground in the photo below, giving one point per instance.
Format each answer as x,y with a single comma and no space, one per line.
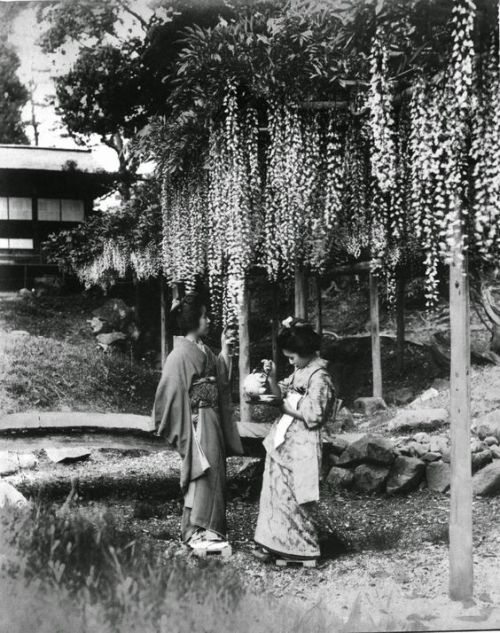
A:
49,360
385,559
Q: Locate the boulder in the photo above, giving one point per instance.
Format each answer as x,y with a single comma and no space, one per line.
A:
438,444
405,475
369,405
481,459
8,465
422,438
489,425
369,448
26,461
344,421
370,477
402,396
441,384
66,455
476,445
20,333
99,326
9,496
423,419
115,312
106,340
438,475
491,440
417,450
340,478
25,293
426,395
337,444
431,457
495,451
486,482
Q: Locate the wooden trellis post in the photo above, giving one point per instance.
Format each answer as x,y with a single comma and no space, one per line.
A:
400,321
318,317
275,324
244,352
375,337
163,321
461,567
300,293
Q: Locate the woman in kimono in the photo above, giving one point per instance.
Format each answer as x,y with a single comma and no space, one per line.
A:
193,412
290,487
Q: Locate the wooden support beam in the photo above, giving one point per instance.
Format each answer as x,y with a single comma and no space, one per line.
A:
400,322
349,269
318,316
461,566
163,321
375,338
244,353
300,293
275,324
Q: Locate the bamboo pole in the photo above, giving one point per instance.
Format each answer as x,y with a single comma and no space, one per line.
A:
375,337
300,293
244,353
460,552
400,322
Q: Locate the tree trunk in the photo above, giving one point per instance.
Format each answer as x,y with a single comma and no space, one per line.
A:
375,336
400,322
244,350
300,293
461,568
177,294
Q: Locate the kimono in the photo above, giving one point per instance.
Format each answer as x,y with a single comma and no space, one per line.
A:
286,523
193,411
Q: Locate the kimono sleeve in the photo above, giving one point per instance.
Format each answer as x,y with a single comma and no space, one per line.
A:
316,406
284,385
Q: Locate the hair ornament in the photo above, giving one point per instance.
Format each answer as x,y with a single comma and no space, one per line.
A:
175,304
288,322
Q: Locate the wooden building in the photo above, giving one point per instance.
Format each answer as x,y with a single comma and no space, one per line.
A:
42,190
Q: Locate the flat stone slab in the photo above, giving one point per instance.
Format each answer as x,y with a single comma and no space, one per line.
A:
421,419
69,454
75,419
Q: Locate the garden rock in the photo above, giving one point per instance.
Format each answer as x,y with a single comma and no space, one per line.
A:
66,455
495,451
402,396
431,457
438,444
106,340
369,448
489,425
423,419
25,461
441,384
340,478
337,444
422,438
7,465
9,496
115,312
426,395
491,440
369,405
405,475
99,326
486,482
416,449
438,475
344,421
481,459
370,477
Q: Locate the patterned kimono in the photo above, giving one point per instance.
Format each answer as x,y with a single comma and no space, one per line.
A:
291,478
193,411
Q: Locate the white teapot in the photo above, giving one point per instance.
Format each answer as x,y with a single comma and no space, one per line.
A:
255,384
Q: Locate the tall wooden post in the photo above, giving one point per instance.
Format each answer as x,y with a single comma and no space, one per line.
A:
375,338
177,293
275,324
300,293
318,316
163,321
461,568
400,322
244,350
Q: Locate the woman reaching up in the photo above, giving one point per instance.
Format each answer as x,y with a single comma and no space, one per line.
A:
285,526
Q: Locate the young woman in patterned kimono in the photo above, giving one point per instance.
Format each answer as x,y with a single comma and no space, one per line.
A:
290,488
193,412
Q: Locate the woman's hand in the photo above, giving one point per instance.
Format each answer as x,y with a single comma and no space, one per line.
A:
269,368
228,340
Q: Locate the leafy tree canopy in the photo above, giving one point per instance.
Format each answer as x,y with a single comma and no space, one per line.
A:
13,96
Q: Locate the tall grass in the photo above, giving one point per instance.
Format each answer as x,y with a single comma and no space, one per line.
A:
65,573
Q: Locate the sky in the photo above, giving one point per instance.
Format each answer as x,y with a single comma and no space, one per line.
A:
40,68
